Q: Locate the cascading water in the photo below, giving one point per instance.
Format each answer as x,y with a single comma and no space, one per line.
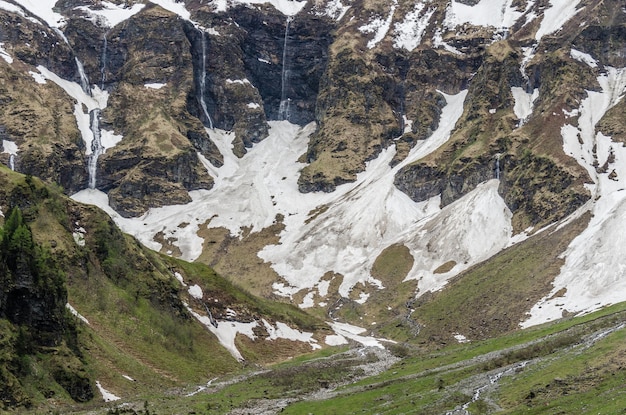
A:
103,63
96,146
12,162
84,81
283,109
202,82
498,166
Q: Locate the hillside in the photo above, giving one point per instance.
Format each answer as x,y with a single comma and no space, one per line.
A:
217,184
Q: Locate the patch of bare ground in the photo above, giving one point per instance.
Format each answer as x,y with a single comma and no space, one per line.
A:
236,258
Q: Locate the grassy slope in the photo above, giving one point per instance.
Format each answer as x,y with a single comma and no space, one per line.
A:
138,325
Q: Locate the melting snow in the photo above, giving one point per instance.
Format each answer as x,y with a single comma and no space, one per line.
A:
106,395
111,14
195,291
524,102
554,17
354,333
500,14
584,58
283,331
410,31
39,78
4,55
43,10
286,7
155,85
594,277
335,340
334,9
9,147
174,6
379,27
76,313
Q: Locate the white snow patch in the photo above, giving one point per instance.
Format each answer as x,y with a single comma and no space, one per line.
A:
106,395
283,331
335,340
76,313
179,277
5,55
238,81
438,42
79,236
264,61
253,105
354,333
362,298
174,7
408,124
594,272
554,17
500,14
379,26
128,378
155,85
584,58
226,331
43,10
10,147
410,31
286,7
195,291
524,102
334,9
39,78
111,14
307,301
461,338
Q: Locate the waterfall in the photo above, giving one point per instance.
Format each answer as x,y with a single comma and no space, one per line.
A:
12,161
103,63
96,146
283,109
498,166
84,81
205,110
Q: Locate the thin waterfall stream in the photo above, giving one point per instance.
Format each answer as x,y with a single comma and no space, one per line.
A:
103,63
202,82
96,146
283,109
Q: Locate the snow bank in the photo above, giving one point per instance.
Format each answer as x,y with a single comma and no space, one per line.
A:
409,32
379,26
76,313
554,17
354,333
106,395
334,9
500,14
286,7
43,10
5,55
524,102
584,58
111,14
